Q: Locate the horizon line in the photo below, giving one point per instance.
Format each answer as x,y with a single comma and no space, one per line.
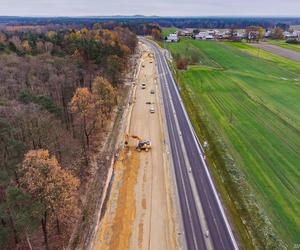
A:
147,16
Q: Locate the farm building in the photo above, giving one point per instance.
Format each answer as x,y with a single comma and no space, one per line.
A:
288,35
172,38
185,33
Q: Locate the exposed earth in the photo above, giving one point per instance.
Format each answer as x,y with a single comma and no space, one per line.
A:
141,212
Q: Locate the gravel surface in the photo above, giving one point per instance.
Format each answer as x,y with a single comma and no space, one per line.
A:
290,54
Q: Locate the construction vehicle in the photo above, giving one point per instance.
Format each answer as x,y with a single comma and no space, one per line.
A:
142,144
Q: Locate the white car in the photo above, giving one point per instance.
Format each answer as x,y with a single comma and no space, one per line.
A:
206,234
152,110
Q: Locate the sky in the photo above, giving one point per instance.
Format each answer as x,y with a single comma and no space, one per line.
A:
150,7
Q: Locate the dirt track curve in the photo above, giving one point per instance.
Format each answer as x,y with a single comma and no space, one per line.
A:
287,53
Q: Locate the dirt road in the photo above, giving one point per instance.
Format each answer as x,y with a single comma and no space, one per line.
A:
290,54
141,211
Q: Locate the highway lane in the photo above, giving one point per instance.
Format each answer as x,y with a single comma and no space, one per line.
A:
193,232
187,152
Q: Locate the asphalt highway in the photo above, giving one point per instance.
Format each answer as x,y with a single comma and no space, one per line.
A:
205,227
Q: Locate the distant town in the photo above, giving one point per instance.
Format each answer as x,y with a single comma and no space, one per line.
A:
252,33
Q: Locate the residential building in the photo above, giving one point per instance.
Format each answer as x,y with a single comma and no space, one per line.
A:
172,38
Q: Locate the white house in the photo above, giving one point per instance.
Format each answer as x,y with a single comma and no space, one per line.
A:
205,35
222,35
172,38
288,34
268,33
241,35
201,35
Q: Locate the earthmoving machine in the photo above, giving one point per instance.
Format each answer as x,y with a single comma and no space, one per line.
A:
142,144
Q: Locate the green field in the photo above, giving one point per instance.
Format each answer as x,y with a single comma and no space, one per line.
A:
168,31
283,44
250,99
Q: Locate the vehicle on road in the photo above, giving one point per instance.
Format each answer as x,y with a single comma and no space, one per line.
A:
185,147
152,91
152,110
143,85
206,234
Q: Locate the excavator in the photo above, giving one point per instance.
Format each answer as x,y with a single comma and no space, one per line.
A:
142,144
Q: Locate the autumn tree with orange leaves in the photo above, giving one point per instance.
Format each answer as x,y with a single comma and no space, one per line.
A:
92,109
105,95
83,104
43,178
42,108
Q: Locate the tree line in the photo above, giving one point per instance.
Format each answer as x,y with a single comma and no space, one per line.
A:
179,22
57,95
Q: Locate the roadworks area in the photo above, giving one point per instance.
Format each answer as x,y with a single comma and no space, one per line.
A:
141,210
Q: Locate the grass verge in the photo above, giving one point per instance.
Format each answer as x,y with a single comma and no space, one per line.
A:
248,111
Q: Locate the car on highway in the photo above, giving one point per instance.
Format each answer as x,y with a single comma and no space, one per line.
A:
152,110
207,234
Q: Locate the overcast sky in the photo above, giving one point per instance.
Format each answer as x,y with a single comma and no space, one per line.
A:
150,7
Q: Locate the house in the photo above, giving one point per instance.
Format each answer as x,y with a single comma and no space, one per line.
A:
209,37
268,33
222,35
185,33
289,35
201,35
172,38
253,35
205,35
241,35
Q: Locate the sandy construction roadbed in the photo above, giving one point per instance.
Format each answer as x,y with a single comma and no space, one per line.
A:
141,211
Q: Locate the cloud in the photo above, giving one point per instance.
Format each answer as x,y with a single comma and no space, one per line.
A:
146,7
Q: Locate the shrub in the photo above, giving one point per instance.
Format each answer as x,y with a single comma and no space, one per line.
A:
182,63
293,41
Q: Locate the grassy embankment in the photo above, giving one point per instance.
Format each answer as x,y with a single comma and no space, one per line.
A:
283,44
168,31
165,32
246,103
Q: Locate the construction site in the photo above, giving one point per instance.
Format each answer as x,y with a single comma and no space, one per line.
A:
141,210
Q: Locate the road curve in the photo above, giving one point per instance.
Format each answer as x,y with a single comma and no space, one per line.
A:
188,162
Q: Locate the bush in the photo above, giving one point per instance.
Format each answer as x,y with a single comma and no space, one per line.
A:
293,41
182,63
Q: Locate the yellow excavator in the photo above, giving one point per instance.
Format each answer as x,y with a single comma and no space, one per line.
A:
142,144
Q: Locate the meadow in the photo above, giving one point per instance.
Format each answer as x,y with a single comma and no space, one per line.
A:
168,31
250,99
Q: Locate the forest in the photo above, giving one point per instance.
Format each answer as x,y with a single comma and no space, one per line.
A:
179,22
59,87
